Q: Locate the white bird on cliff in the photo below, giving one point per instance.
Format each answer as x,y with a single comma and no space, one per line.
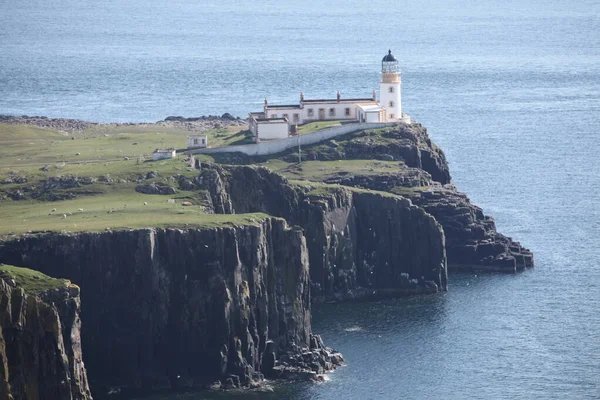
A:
64,215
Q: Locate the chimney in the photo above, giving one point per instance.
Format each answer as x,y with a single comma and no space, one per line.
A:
374,95
339,96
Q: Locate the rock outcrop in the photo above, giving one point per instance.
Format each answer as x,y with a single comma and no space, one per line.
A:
75,126
182,308
472,242
360,243
40,347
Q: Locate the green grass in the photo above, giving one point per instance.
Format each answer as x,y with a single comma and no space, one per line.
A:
32,282
125,210
29,148
320,170
315,126
229,136
102,152
320,189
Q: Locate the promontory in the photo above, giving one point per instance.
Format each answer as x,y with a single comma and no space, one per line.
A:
200,270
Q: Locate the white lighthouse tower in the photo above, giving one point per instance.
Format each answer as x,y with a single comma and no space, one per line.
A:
390,88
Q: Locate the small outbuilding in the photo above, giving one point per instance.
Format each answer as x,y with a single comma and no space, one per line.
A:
161,154
197,142
268,128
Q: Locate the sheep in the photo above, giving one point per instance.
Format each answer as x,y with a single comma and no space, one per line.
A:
145,203
54,210
64,215
80,209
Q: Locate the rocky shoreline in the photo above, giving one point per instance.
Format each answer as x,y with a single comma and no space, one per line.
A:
74,126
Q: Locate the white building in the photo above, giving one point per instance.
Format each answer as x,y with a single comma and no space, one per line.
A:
160,154
197,142
274,121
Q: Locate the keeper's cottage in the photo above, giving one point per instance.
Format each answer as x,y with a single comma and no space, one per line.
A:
274,121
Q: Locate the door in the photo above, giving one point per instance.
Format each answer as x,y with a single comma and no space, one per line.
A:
321,113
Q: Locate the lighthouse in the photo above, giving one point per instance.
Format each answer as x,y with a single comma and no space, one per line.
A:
390,88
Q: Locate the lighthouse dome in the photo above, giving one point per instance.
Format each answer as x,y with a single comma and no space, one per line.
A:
389,57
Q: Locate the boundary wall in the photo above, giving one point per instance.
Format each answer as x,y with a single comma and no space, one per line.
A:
277,146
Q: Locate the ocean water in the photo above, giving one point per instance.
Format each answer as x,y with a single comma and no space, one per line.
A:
509,89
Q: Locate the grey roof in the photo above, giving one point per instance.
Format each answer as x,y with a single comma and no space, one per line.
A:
336,100
389,57
284,106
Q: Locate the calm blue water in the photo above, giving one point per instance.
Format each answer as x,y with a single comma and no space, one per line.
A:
509,89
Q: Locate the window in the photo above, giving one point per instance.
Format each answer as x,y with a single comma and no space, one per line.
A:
296,118
392,116
332,112
347,112
273,115
391,104
285,115
311,112
203,141
391,89
195,141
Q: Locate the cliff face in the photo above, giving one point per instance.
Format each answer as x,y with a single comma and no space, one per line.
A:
472,242
359,243
40,347
173,308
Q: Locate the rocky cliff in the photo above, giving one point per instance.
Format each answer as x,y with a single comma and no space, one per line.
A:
181,308
421,175
40,347
359,243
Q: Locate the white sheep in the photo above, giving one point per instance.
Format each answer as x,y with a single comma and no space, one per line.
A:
64,215
80,209
54,210
145,203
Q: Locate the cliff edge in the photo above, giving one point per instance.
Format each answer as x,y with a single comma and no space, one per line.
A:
171,308
40,346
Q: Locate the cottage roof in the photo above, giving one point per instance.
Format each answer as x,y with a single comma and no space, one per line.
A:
370,107
338,101
284,106
273,120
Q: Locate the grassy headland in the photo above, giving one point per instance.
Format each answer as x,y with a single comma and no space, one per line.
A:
86,181
32,282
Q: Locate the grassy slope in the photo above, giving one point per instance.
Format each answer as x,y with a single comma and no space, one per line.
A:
320,170
100,151
24,150
33,282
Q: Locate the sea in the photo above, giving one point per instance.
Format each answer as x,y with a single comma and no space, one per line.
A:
510,89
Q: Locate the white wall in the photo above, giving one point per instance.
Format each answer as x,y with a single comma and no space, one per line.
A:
340,112
277,146
272,130
199,138
161,156
385,97
372,117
